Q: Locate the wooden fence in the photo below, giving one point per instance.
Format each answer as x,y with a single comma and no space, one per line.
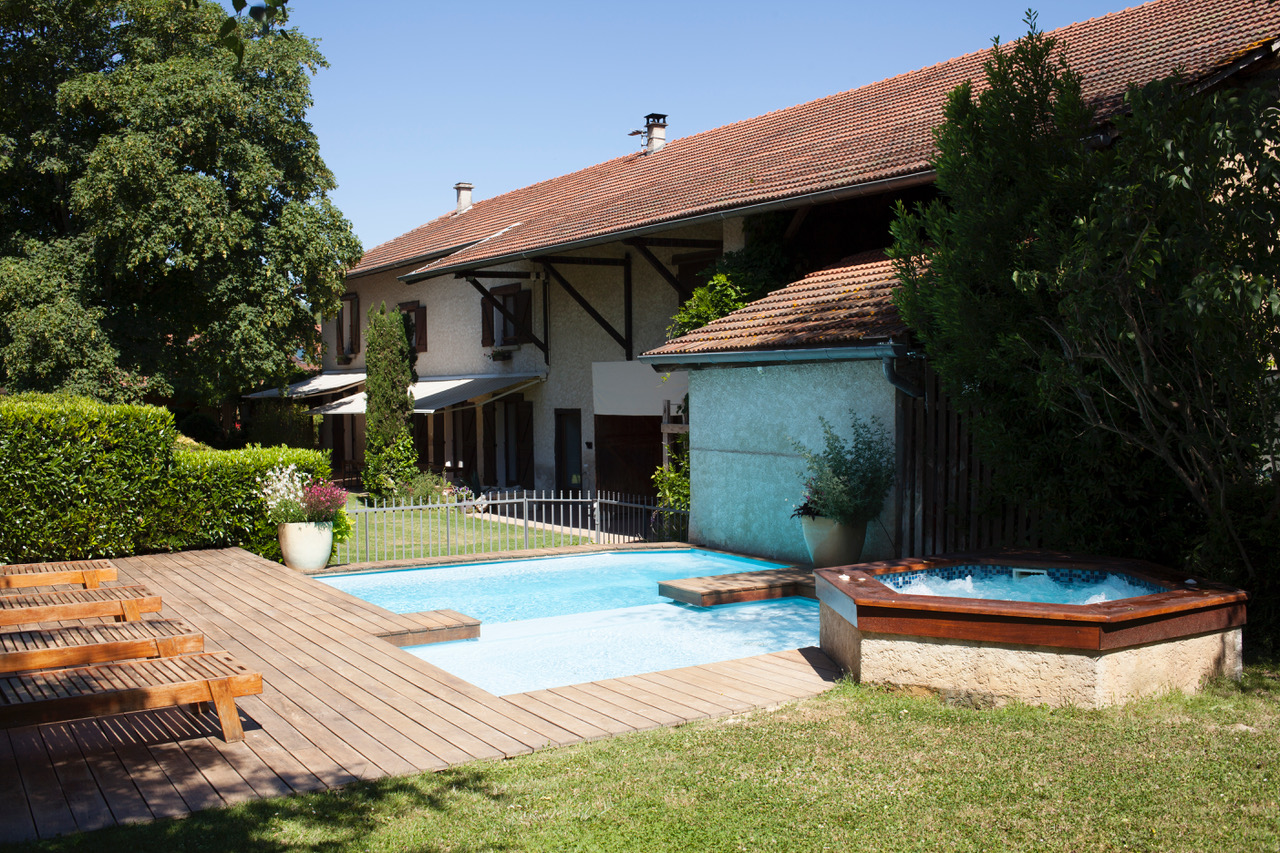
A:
944,495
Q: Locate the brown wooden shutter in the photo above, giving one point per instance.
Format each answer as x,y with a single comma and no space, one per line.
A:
437,440
420,324
524,443
486,323
524,313
490,423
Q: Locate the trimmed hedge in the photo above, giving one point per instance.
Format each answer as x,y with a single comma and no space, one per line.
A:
81,479
78,478
213,500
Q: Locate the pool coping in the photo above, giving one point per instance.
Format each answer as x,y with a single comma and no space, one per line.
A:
1189,605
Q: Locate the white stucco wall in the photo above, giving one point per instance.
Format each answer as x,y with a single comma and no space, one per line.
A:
574,338
746,477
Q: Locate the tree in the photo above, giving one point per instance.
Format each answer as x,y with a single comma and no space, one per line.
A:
1109,288
165,226
389,455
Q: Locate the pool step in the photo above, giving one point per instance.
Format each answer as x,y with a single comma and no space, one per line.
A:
742,586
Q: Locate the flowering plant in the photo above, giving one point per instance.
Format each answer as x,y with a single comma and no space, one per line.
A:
291,497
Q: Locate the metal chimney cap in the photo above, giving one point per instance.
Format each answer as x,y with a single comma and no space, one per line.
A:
655,118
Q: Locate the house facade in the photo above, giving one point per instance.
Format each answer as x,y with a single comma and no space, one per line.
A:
832,344
528,311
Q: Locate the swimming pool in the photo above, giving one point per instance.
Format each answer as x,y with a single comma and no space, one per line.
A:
557,621
514,590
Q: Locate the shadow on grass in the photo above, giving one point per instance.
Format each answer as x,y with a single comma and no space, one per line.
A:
324,822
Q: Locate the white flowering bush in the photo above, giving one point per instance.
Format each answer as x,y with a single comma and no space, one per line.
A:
282,492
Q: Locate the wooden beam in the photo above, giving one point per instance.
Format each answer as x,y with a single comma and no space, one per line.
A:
493,274
627,324
674,243
498,306
666,274
586,306
588,262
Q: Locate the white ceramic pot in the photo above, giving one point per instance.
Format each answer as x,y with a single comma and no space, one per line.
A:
306,545
831,543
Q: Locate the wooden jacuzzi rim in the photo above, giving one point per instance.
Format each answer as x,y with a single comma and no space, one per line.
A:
1182,610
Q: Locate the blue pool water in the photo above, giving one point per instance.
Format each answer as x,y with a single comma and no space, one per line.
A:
588,617
1004,585
536,654
512,590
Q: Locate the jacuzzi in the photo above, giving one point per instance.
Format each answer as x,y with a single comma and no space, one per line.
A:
982,650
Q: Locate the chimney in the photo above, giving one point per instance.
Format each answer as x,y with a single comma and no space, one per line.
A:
655,132
464,196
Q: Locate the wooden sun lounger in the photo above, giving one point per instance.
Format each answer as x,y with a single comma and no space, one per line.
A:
70,694
125,603
79,645
90,573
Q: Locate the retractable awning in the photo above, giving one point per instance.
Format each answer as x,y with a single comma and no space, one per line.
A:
437,392
322,383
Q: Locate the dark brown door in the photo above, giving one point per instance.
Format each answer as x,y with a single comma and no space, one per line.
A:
628,451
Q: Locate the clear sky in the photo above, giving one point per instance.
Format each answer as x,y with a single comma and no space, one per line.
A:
419,96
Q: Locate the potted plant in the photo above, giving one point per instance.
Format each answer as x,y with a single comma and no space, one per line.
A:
304,512
845,486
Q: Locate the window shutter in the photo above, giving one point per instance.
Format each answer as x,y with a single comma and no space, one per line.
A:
524,443
524,313
486,323
420,323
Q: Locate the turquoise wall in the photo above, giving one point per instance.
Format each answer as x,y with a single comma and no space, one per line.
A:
746,477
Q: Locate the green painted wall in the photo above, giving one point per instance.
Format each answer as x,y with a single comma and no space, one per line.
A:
745,473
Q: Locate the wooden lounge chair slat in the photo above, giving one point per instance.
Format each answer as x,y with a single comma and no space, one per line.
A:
132,686
90,573
57,606
80,645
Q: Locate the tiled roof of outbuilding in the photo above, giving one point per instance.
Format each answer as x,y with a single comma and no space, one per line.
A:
847,304
879,131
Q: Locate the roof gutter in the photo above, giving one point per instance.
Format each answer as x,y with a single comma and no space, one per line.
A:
887,353
884,185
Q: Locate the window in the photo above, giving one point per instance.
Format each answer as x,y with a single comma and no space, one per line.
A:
348,326
415,325
498,330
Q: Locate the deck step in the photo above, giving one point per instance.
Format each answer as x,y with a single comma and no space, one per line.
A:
740,586
80,645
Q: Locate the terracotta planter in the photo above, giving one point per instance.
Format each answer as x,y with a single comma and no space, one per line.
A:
831,543
306,545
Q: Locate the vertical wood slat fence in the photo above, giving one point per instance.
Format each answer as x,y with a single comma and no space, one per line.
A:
944,489
517,521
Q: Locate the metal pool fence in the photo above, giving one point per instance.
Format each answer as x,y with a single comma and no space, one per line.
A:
515,521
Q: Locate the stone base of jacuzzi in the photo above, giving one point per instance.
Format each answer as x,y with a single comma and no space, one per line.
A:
1032,674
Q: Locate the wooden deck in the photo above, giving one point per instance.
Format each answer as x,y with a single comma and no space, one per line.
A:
740,586
340,702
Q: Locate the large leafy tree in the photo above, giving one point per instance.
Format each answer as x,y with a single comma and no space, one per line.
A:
1105,294
165,225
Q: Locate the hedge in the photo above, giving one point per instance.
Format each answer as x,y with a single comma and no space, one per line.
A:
77,477
213,501
81,479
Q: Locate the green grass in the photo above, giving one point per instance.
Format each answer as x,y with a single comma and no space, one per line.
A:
858,769
422,533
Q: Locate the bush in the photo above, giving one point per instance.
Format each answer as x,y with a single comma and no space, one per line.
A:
79,478
848,480
277,422
214,500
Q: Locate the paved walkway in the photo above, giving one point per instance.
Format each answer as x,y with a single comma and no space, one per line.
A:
339,703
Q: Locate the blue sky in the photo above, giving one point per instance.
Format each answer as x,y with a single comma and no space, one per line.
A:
419,96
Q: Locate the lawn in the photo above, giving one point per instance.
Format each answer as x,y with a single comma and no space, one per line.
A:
420,533
860,768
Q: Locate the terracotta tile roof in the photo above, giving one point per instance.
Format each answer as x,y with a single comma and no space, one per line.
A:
847,304
876,132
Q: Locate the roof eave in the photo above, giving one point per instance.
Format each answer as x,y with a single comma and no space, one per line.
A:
911,179
759,358
416,261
